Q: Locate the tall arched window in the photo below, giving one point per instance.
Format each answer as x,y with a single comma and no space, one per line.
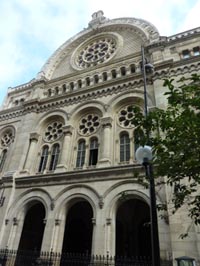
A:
2,159
54,156
43,159
81,154
93,152
124,147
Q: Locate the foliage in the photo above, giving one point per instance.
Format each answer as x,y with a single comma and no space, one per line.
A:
174,135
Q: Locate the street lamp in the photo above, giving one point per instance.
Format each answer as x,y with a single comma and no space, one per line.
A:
144,157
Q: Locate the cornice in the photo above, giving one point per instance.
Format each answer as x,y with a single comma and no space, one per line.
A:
75,97
77,176
172,69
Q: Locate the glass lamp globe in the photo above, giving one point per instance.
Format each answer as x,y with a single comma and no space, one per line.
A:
144,153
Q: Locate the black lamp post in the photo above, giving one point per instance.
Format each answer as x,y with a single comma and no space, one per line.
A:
144,156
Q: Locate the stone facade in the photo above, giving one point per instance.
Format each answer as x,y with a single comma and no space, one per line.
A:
67,139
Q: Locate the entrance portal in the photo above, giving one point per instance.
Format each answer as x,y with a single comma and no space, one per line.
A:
78,229
133,232
33,228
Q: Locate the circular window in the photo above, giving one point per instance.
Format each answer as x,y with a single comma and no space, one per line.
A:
7,138
96,50
125,117
53,131
89,124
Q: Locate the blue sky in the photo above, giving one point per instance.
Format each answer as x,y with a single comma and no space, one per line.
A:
31,30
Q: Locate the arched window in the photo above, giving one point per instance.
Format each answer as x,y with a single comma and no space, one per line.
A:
123,71
105,76
114,73
93,152
2,159
54,156
124,147
43,159
81,154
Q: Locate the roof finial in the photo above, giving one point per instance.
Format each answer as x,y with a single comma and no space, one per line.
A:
97,18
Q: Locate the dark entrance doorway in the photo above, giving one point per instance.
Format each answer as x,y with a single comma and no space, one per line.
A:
33,228
133,232
78,229
32,234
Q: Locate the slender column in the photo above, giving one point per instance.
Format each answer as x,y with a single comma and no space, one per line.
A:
66,149
31,152
105,156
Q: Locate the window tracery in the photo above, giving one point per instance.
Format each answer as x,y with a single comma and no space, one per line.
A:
89,124
125,117
53,131
96,52
7,138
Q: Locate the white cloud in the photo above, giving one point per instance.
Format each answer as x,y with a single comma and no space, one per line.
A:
31,30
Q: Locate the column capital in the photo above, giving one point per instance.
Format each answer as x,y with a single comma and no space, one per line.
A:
68,129
106,121
34,136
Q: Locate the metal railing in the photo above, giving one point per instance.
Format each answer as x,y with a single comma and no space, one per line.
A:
35,258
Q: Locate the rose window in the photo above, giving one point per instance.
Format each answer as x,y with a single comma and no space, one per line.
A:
96,52
89,124
7,138
53,131
126,116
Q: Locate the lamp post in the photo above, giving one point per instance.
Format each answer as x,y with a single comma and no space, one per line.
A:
144,157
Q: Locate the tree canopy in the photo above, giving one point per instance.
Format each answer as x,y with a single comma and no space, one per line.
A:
174,135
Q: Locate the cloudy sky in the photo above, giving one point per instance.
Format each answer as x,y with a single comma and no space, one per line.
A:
31,30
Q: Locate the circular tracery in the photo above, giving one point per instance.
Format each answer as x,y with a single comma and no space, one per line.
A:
89,124
96,52
125,117
53,131
7,138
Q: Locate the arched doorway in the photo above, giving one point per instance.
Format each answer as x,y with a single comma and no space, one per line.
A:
33,228
78,229
32,234
133,232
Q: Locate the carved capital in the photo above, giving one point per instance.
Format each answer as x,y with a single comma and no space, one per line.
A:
101,202
34,136
108,221
67,130
57,222
106,122
15,221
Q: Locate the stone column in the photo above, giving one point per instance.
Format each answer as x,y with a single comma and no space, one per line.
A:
31,152
66,148
99,231
105,156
